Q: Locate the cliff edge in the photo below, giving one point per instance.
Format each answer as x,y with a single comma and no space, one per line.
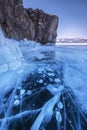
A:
19,23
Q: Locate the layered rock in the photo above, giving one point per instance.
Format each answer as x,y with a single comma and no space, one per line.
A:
19,23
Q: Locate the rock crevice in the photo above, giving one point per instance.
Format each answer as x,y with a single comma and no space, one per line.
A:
19,23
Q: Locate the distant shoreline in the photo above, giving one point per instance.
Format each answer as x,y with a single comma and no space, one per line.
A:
71,44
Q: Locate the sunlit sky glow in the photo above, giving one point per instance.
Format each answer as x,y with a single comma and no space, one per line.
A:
72,15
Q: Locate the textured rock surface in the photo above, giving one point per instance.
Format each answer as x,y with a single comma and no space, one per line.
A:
19,23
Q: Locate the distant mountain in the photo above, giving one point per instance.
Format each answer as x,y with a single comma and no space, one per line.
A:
73,40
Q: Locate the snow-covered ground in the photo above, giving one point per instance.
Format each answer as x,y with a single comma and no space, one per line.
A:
18,59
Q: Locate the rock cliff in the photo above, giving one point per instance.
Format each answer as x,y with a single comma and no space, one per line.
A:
19,23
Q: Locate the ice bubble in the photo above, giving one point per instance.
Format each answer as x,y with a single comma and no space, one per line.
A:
57,80
60,105
40,81
19,87
17,102
51,74
22,92
70,121
58,117
29,92
16,97
45,83
51,79
40,70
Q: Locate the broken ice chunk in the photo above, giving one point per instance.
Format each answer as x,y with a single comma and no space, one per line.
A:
17,102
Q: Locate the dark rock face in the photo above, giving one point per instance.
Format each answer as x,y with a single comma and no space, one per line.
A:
19,23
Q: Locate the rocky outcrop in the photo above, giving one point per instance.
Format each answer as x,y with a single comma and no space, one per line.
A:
19,23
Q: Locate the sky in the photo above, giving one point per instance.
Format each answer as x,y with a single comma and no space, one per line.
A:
72,15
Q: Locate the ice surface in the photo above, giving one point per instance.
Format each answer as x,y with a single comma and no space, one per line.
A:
42,87
46,112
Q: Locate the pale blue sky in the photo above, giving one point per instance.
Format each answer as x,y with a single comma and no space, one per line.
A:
72,15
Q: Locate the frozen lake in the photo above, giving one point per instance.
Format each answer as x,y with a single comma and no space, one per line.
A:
47,90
